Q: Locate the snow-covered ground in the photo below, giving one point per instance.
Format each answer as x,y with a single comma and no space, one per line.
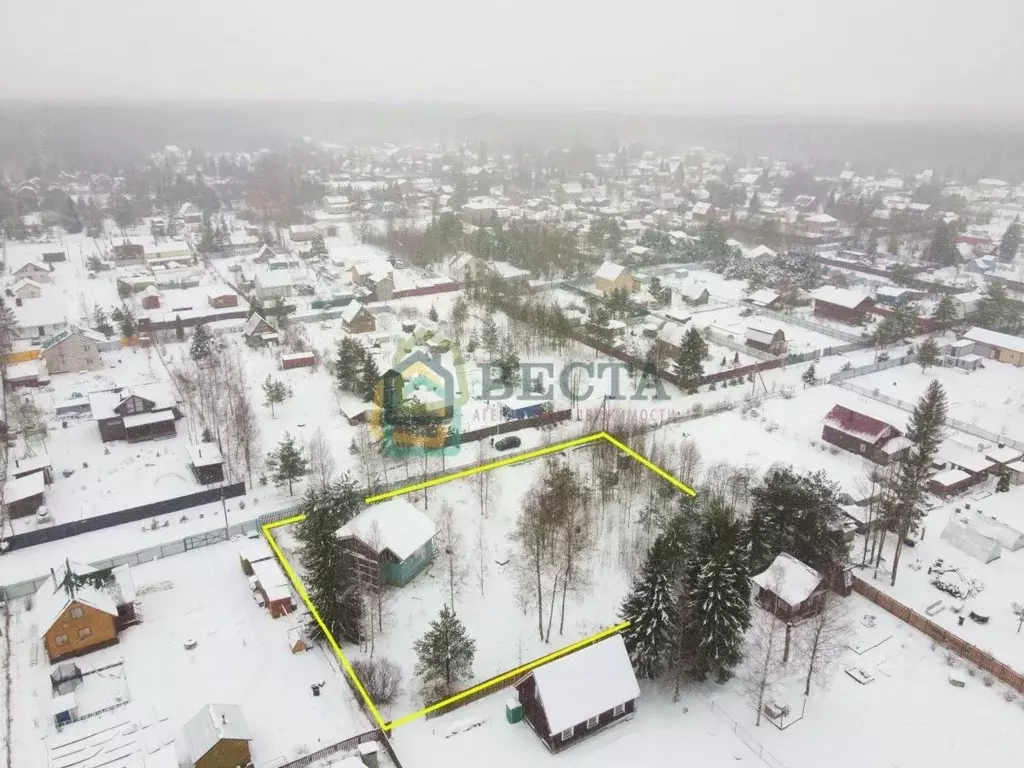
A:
991,397
242,657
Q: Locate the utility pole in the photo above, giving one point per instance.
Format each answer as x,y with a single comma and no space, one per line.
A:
224,507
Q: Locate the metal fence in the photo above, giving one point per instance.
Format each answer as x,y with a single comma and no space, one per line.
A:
809,325
743,735
864,370
377,736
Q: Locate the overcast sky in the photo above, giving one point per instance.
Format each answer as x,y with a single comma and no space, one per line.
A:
674,55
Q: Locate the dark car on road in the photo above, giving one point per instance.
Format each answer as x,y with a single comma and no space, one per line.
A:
507,443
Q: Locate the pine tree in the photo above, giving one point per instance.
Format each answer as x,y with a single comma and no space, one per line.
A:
650,609
125,320
348,365
318,249
444,655
489,336
690,363
810,376
179,328
275,392
432,314
720,611
945,312
925,429
286,463
508,364
942,248
100,321
928,354
1003,485
369,374
329,571
460,313
996,311
202,344
1011,242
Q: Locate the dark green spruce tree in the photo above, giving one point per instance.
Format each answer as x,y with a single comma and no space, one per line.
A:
650,610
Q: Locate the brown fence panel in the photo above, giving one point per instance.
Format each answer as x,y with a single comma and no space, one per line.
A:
971,653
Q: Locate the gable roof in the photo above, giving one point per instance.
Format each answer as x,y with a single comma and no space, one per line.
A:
26,281
789,579
996,339
859,425
67,333
609,270
36,265
351,310
586,683
212,724
395,525
763,297
253,323
52,599
762,335
841,297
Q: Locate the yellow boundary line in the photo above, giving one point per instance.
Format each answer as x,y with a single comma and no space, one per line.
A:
347,666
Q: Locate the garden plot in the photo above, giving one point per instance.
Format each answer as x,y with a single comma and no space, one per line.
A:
989,590
492,597
729,322
242,656
991,398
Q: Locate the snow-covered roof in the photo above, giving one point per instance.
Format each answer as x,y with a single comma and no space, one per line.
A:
789,579
273,278
759,251
841,297
586,683
858,425
760,335
67,333
213,723
103,403
25,464
950,477
25,281
23,488
44,310
763,297
254,550
822,218
1004,454
219,291
507,271
348,314
52,598
395,525
996,339
610,271
141,419
273,580
252,323
204,455
701,209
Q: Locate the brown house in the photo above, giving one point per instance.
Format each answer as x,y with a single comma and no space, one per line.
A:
217,737
23,496
151,298
766,340
875,440
950,482
271,585
147,412
206,463
841,304
258,332
298,360
579,695
788,588
83,609
222,297
355,318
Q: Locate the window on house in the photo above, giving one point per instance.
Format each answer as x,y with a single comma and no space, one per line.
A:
566,734
84,633
60,640
77,612
862,447
618,710
592,722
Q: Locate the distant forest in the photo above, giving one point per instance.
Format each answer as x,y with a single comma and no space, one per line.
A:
102,137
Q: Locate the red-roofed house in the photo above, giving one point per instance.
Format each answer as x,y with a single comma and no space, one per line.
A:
866,436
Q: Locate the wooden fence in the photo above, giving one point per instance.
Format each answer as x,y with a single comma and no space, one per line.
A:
970,653
376,735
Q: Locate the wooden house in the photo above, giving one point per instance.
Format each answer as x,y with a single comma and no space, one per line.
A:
27,465
355,318
998,346
299,640
611,277
33,270
206,463
82,609
128,252
579,695
694,295
30,373
216,737
766,340
382,283
271,284
73,350
258,332
766,298
857,433
27,288
841,304
146,412
788,588
390,541
150,298
23,496
950,482
271,583
222,297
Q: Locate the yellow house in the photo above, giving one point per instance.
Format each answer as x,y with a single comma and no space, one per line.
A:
998,346
612,277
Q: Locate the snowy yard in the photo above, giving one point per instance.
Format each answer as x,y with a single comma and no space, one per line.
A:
991,397
496,612
242,657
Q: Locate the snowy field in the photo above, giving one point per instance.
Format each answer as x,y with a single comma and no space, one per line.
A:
991,397
729,322
914,717
496,615
242,657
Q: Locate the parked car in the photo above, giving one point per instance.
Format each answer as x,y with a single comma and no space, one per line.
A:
507,443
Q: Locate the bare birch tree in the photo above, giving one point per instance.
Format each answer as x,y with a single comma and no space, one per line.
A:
321,460
823,638
763,667
449,539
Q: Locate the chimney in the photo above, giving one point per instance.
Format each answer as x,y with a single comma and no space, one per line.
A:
16,464
17,302
53,575
223,719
